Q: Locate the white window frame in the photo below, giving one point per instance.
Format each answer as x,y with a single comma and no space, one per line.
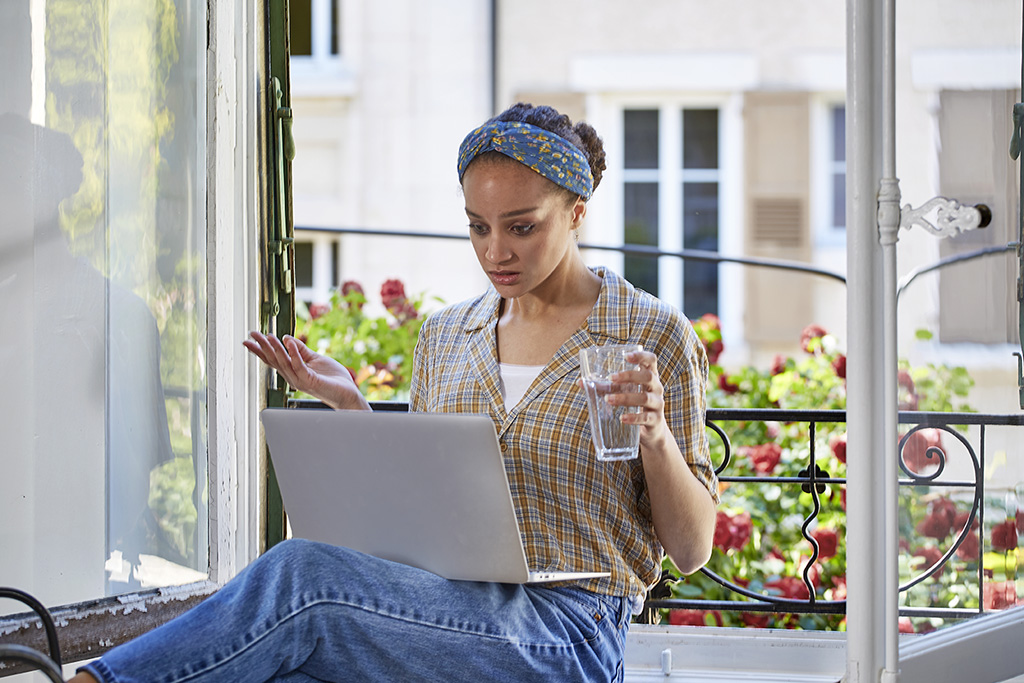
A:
321,289
322,73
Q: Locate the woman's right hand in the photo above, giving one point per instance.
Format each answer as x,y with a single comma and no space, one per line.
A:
308,371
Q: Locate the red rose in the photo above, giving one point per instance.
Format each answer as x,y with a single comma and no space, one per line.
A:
838,444
931,556
839,587
907,395
351,286
725,385
714,350
732,532
778,365
756,620
828,542
969,548
392,294
810,333
764,457
317,310
839,365
790,587
693,617
921,450
960,521
905,625
939,521
1020,521
1004,535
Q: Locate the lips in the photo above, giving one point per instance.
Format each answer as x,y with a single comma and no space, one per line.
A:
503,277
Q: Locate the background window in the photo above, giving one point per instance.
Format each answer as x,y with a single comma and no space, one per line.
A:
656,174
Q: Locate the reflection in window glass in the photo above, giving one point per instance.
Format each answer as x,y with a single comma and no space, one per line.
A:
304,264
300,25
104,274
640,133
700,231
641,227
700,138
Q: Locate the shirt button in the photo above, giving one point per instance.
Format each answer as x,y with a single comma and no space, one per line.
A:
504,446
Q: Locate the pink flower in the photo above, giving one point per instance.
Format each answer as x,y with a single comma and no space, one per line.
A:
392,293
905,626
755,619
810,333
778,365
317,310
1000,594
764,457
1004,535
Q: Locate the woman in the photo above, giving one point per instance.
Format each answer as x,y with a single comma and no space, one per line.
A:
306,611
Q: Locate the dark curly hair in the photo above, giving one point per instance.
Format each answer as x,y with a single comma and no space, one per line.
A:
580,134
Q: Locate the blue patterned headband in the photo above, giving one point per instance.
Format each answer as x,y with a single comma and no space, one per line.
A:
552,156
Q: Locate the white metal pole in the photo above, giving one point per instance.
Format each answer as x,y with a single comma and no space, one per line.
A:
888,229
866,616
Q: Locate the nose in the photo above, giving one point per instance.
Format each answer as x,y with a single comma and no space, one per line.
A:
498,250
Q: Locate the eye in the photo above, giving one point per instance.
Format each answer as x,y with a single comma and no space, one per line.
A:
478,229
522,229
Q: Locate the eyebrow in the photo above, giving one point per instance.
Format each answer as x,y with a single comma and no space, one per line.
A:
507,214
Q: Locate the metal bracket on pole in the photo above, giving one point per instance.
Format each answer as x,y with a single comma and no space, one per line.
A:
951,217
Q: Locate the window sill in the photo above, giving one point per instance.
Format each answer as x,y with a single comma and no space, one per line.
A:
724,654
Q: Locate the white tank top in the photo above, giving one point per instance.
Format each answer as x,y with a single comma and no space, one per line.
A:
515,380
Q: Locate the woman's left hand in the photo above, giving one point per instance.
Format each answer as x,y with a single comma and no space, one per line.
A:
650,398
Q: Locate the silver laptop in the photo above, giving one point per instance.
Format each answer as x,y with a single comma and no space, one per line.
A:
428,490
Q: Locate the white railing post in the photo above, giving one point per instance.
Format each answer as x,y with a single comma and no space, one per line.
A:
866,386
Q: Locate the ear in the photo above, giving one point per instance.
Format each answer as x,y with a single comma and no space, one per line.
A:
579,211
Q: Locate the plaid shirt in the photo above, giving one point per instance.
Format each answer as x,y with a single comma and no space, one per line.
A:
575,513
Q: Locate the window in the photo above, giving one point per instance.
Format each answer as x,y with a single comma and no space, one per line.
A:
130,205
671,159
316,267
837,166
106,276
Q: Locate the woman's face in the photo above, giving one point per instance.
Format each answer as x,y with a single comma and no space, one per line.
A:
521,228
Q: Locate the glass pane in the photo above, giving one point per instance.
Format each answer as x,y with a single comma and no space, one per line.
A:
700,231
304,264
839,200
103,274
839,133
700,138
641,227
300,27
640,137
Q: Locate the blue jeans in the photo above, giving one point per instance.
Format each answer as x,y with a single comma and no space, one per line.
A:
311,612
